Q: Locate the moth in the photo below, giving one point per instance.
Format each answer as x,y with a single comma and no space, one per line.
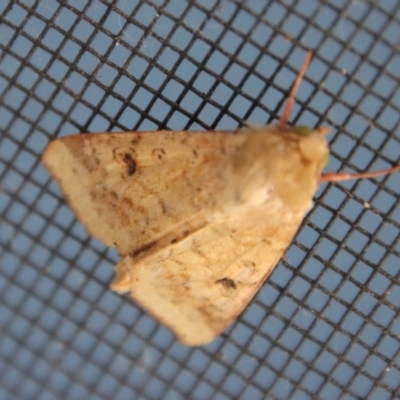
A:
200,219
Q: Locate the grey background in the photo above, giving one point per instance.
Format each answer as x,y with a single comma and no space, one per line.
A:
325,324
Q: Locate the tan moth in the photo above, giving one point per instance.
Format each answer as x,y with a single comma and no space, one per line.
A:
200,218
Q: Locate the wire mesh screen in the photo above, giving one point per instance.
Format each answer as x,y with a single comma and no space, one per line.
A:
325,324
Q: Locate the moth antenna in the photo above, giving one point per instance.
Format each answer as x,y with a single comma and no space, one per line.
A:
290,101
337,177
323,130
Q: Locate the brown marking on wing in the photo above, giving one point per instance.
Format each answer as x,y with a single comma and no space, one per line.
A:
158,153
144,248
227,283
130,164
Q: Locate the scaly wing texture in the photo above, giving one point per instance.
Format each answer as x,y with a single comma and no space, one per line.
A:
202,218
137,191
199,285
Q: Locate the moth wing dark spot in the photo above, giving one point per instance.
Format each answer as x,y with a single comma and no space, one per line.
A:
130,164
227,283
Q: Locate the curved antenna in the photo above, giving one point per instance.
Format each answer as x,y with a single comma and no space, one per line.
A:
337,176
290,101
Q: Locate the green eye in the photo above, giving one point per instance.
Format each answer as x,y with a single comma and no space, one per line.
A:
302,130
326,161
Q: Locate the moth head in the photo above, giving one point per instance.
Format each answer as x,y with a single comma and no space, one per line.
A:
305,131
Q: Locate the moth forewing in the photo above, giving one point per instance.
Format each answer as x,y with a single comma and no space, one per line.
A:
130,189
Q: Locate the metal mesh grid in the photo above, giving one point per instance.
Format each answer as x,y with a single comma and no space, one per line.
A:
325,325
